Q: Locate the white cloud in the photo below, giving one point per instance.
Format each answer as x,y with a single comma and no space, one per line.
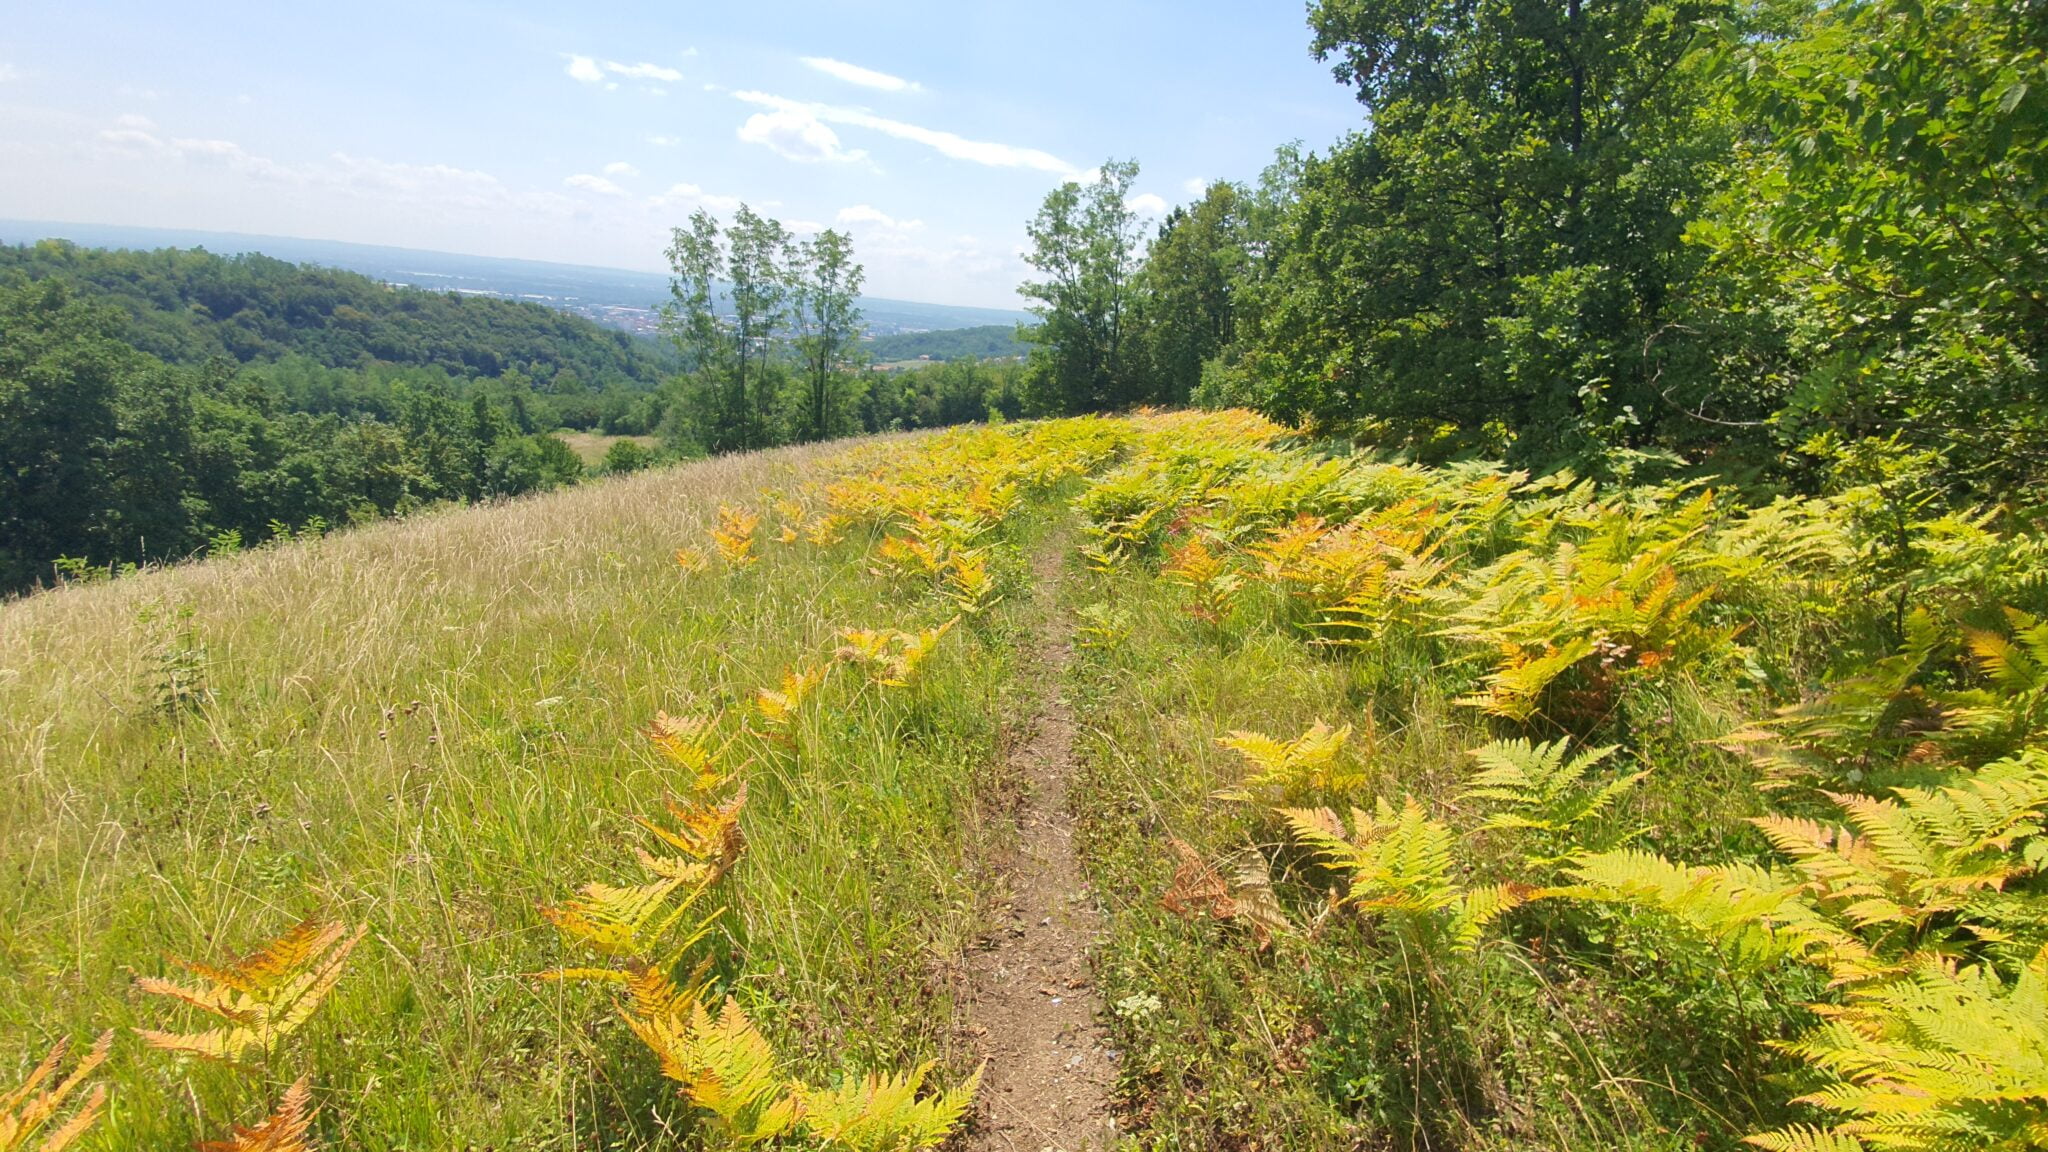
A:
129,138
9,72
691,196
664,141
1196,186
946,143
864,77
139,123
643,71
591,70
597,184
795,134
868,214
655,91
620,168
1147,204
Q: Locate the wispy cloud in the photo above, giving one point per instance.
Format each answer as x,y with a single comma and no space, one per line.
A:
591,70
864,77
946,143
620,168
664,141
1195,186
795,134
1147,204
597,184
643,71
691,196
8,72
868,214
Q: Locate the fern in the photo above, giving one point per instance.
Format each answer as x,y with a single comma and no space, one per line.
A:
779,707
686,742
969,584
1754,916
1199,890
891,658
286,1130
2011,710
1535,789
734,536
1207,575
1861,724
1103,626
1946,1058
638,922
721,1061
1310,765
26,1110
883,1112
263,998
1921,874
1403,865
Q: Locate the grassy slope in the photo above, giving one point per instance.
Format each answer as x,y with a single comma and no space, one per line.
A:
430,726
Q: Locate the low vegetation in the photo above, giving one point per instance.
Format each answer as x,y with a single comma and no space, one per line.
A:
1428,807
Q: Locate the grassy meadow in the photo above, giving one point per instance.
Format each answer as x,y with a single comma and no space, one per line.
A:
432,727
1426,807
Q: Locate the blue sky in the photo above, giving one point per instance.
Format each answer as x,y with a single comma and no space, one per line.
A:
580,133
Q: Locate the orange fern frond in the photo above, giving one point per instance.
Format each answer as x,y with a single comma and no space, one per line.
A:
263,997
25,1110
286,1130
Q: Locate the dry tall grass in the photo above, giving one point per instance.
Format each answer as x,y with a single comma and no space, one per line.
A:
429,726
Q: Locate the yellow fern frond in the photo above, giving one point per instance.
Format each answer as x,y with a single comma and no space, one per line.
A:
734,536
27,1109
779,707
723,1064
264,997
969,584
687,742
883,1112
1309,765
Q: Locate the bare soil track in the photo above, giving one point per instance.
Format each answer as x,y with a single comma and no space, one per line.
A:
1033,1002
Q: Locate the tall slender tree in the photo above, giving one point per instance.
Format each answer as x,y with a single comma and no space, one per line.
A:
826,283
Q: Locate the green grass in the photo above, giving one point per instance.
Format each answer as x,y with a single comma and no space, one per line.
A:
430,727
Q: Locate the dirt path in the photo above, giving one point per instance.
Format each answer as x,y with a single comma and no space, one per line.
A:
1032,1002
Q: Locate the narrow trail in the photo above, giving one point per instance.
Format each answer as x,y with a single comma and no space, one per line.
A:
1032,1000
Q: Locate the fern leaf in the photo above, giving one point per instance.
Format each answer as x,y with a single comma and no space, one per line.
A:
286,1130
723,1064
26,1110
884,1113
264,997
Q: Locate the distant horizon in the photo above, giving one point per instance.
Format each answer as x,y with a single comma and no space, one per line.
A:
9,226
526,131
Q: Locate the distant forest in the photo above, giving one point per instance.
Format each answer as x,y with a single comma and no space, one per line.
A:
157,405
185,307
989,342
